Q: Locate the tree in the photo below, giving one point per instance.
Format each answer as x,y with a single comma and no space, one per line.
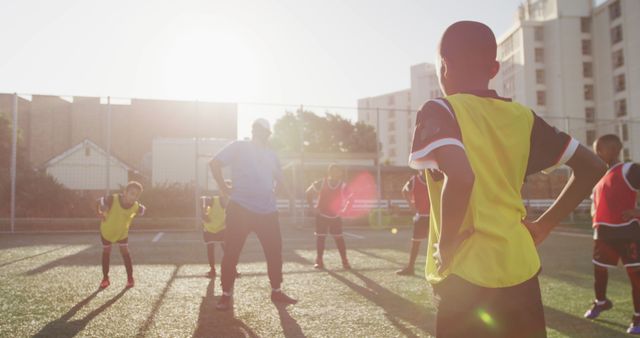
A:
331,133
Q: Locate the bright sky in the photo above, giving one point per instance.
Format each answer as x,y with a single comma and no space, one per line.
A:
320,53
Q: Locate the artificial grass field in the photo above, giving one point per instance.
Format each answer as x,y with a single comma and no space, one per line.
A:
48,288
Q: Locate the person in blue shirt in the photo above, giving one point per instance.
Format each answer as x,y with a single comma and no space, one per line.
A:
255,173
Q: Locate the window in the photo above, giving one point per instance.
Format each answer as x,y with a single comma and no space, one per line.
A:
587,69
621,108
87,151
392,152
624,130
618,59
586,47
540,76
391,100
541,98
539,55
538,33
585,25
391,126
588,92
392,139
614,10
591,136
590,115
392,114
626,156
616,34
619,83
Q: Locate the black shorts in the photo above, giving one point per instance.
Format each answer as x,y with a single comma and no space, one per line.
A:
468,310
210,237
326,225
122,242
608,252
420,228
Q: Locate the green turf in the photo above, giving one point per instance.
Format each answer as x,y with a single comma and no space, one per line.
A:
48,288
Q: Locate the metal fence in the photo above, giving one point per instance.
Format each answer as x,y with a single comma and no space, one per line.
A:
89,147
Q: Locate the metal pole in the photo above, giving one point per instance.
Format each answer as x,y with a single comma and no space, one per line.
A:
108,146
295,201
379,179
14,157
196,190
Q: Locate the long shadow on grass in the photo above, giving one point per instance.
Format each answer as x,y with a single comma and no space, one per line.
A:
290,327
156,306
214,323
31,256
62,327
394,305
366,253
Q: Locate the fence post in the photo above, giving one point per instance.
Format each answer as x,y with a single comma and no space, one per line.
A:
14,157
108,148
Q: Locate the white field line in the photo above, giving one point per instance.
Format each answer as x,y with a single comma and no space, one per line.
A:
353,235
157,237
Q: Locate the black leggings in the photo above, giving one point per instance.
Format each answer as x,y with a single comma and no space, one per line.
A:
240,222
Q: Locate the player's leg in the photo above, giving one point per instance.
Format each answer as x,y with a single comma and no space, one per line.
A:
321,236
211,252
631,261
420,229
335,228
106,256
605,255
235,235
267,229
219,239
518,311
126,258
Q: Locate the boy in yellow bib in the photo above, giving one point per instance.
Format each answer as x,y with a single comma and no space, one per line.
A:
213,228
117,212
481,258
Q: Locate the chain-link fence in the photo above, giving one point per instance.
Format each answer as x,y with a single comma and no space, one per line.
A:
60,154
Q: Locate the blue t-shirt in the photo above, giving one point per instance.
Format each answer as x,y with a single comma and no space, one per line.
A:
254,171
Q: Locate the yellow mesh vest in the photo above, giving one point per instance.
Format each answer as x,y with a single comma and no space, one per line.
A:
116,225
501,253
216,217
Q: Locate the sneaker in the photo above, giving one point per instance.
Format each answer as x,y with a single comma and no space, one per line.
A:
224,303
634,327
406,272
318,265
346,265
596,309
130,283
105,283
211,274
280,297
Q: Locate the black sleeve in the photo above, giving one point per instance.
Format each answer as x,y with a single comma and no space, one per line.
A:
549,148
633,176
436,126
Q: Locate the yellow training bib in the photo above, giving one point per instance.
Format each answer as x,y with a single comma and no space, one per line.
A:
116,225
500,253
216,216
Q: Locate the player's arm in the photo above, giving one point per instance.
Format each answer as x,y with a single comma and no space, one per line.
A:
216,171
206,201
551,148
310,194
141,210
281,185
633,177
103,206
437,145
408,195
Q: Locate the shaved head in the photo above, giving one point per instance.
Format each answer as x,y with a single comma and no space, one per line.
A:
469,44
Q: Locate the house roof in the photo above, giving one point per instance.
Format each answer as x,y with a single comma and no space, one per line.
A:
86,142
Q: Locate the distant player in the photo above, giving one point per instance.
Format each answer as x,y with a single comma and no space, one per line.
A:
213,225
416,193
616,223
482,259
117,212
333,199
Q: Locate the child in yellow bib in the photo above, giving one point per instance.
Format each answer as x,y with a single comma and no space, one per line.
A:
482,259
117,212
213,225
